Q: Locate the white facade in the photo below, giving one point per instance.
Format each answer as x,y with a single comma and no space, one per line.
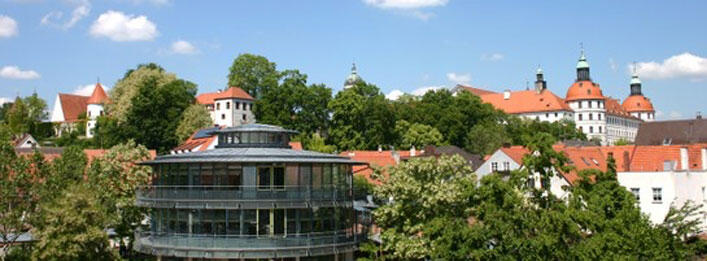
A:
549,116
621,128
231,112
92,113
590,118
645,116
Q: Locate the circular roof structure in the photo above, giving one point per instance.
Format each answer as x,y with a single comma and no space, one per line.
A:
584,90
638,103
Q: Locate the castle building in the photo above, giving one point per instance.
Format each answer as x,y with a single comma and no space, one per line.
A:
231,107
70,110
353,78
252,197
600,117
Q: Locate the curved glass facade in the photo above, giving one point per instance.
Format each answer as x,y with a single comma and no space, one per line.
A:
241,203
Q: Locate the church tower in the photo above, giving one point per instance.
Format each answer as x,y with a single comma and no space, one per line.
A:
583,68
95,108
353,78
636,104
540,83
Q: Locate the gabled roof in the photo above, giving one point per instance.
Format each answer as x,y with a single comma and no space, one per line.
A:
475,91
72,106
613,107
383,159
672,132
230,93
526,101
653,158
98,96
580,158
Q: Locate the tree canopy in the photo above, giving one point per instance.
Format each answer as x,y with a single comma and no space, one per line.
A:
254,74
194,117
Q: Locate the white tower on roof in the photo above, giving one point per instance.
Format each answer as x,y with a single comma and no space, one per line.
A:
353,78
94,108
586,99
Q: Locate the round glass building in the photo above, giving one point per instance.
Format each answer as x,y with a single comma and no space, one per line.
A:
252,197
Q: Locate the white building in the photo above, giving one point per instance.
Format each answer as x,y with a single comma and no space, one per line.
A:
69,110
598,116
231,107
660,176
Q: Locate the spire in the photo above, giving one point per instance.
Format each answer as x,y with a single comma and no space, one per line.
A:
582,66
635,82
353,78
353,68
540,83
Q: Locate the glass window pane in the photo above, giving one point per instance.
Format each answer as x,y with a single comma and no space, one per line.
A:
278,221
291,221
219,221
264,222
317,176
326,176
305,216
279,178
235,174
291,175
234,222
264,181
305,175
250,222
207,178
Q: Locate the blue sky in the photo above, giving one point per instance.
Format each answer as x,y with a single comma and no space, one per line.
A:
404,45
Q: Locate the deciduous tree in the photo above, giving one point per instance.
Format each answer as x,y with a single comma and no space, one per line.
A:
194,117
254,74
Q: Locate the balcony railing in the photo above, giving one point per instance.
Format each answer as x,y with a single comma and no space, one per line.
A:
244,193
240,245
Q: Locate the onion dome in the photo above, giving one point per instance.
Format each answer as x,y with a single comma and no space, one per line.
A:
353,78
98,96
638,103
584,90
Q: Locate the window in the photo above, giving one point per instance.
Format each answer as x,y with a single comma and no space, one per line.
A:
580,116
218,106
591,129
657,195
668,165
555,114
599,116
223,116
271,178
636,193
580,104
244,117
494,166
228,105
589,103
581,129
89,114
599,129
245,106
531,182
590,117
506,166
238,105
547,115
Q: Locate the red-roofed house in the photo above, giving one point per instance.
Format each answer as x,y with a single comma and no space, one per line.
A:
376,158
68,108
231,107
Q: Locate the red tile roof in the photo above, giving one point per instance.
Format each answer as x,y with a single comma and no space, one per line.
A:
614,107
583,90
475,91
638,103
652,158
376,158
232,92
296,145
622,155
72,106
581,158
98,96
526,101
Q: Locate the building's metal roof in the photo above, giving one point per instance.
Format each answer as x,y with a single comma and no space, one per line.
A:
205,133
275,155
254,127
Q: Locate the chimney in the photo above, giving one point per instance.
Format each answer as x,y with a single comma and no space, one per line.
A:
699,115
506,94
396,156
684,164
412,151
704,158
380,149
627,161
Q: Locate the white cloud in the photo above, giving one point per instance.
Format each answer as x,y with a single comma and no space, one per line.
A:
424,16
119,27
14,72
183,47
4,100
394,95
459,78
8,26
81,11
685,65
422,90
405,4
492,57
87,90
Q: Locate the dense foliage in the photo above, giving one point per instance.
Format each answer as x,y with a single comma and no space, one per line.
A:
439,212
194,117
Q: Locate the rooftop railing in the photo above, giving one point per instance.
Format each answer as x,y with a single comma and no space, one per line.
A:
244,193
177,242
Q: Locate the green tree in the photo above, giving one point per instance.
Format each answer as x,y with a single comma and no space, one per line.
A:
148,106
134,80
416,134
194,117
362,118
18,117
254,74
115,176
422,190
486,137
622,142
73,228
294,105
314,142
16,187
67,170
